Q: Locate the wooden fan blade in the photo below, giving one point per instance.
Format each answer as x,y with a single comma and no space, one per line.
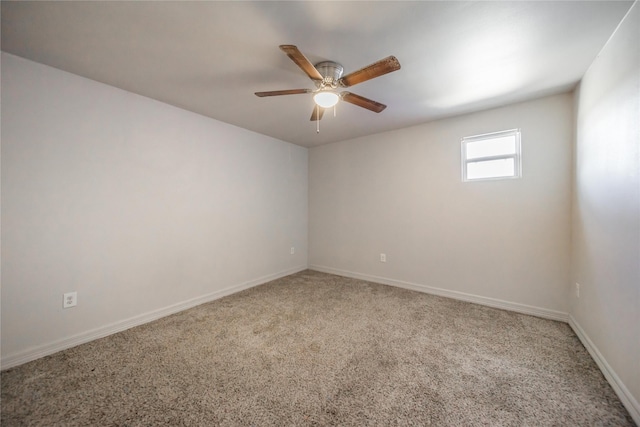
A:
372,71
317,113
363,102
283,92
301,61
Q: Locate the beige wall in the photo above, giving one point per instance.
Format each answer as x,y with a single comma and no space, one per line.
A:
503,243
140,207
606,211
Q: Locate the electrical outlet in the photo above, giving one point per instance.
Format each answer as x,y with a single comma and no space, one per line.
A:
70,300
293,250
383,257
577,290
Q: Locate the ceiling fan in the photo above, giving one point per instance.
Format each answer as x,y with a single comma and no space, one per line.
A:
327,76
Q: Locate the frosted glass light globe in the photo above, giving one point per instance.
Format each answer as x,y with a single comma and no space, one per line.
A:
326,99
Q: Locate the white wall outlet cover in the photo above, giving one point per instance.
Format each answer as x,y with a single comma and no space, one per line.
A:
293,250
70,299
383,258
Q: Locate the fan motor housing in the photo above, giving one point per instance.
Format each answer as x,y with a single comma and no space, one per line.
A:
330,71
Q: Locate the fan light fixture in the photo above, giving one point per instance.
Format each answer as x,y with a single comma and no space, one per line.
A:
326,99
327,77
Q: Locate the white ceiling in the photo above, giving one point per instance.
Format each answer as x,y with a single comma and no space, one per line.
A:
210,57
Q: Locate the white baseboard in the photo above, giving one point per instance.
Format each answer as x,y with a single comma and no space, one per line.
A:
103,331
490,302
618,386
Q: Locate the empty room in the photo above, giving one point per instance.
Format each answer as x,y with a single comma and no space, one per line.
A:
343,213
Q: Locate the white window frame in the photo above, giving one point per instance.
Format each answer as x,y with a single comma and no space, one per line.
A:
517,156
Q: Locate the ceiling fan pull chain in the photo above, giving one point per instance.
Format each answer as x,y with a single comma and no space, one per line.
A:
318,119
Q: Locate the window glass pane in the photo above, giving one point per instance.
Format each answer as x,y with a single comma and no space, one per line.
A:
491,147
491,169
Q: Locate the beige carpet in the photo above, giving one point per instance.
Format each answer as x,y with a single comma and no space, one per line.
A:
318,349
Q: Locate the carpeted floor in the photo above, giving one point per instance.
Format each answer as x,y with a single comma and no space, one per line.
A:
318,349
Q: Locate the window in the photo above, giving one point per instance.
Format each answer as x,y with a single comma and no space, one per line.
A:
491,156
